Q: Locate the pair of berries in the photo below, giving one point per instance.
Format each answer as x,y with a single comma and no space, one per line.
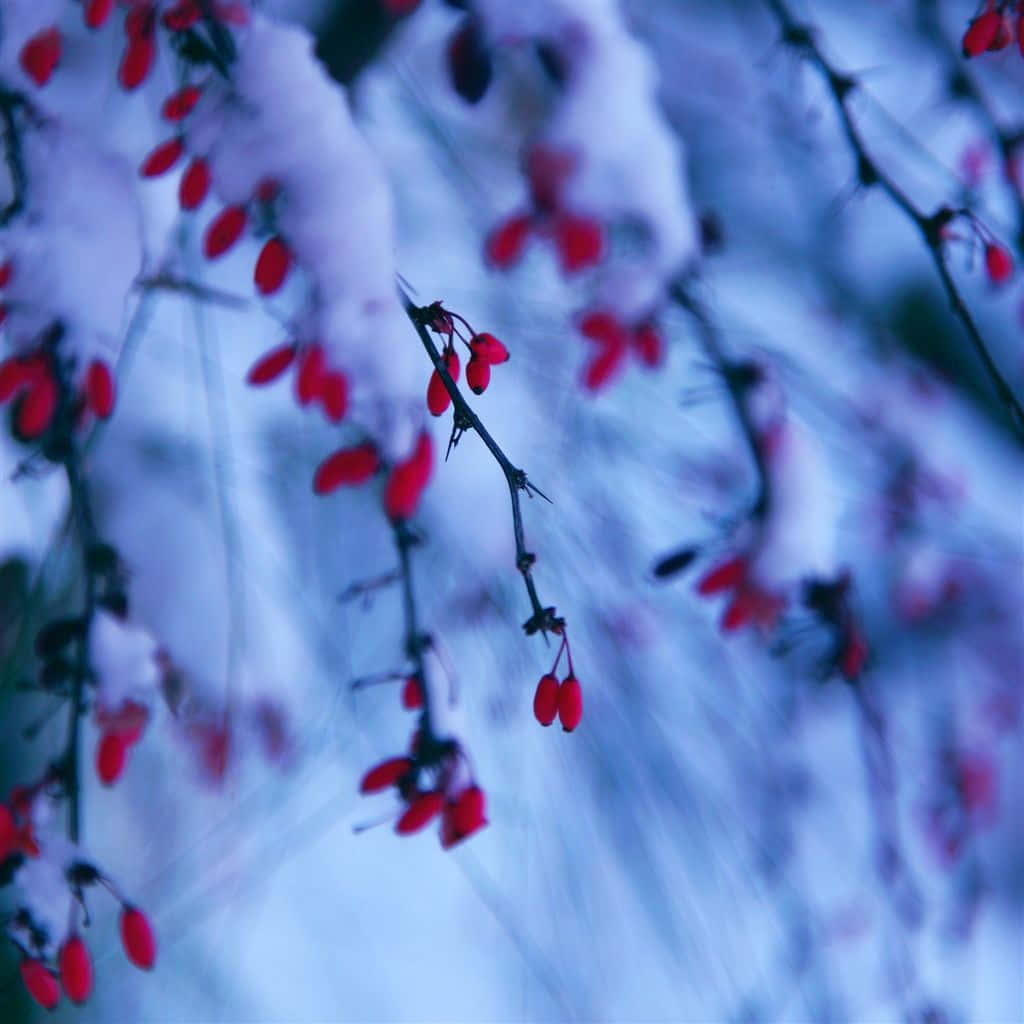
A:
74,965
750,602
564,700
614,340
993,30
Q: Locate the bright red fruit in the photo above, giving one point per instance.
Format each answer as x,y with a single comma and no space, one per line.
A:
194,184
487,347
604,365
579,241
723,577
163,158
97,11
136,62
408,479
12,377
269,367
385,774
545,700
272,267
334,395
137,937
99,389
570,703
37,407
223,231
981,33
478,375
40,55
111,756
40,982
438,398
506,243
998,263
649,345
348,467
310,379
179,104
412,695
420,813
75,969
468,812
739,611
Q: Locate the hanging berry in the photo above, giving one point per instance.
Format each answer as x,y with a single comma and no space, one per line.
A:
137,937
75,969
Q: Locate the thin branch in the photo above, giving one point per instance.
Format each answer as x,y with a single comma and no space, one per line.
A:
193,289
544,619
801,37
9,103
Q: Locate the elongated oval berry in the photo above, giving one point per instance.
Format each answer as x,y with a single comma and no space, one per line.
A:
270,366
570,703
649,345
604,366
385,774
412,695
468,812
438,398
111,757
99,389
545,700
723,577
40,982
420,813
40,55
75,969
579,241
348,467
506,243
137,937
272,266
488,348
998,263
408,479
310,378
136,62
739,611
37,407
194,184
180,104
163,158
478,375
96,12
223,231
334,395
981,33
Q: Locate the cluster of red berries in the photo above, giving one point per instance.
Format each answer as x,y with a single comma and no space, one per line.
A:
74,965
315,381
750,602
31,381
460,807
564,699
614,340
578,240
994,28
485,351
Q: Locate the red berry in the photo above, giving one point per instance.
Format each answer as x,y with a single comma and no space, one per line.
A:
570,703
604,327
739,611
547,170
136,62
37,407
545,700
194,184
487,347
140,22
408,479
75,969
12,377
604,366
468,811
423,809
649,344
223,231
505,244
981,33
723,577
579,241
334,395
99,389
40,982
853,655
272,267
1003,37
97,12
412,695
478,375
179,104
312,369
438,398
385,774
267,190
998,263
111,756
163,158
6,269
137,937
40,55
270,366
350,466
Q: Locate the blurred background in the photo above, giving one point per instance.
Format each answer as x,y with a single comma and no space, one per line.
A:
734,833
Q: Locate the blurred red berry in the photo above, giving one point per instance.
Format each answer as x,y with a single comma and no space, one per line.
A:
194,184
334,395
180,104
310,378
223,231
723,577
137,937
579,241
408,479
412,695
507,242
423,809
40,982
981,33
545,700
40,55
75,969
998,263
348,467
111,756
96,12
272,266
136,62
385,774
37,407
99,389
163,158
270,366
